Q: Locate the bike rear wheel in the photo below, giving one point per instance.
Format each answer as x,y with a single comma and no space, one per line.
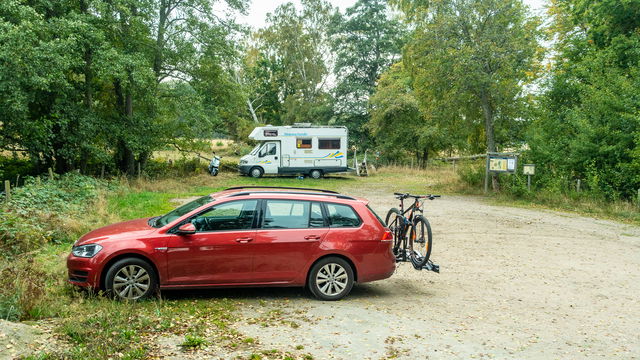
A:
395,222
420,241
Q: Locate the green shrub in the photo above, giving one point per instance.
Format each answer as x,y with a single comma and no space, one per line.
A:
174,168
472,174
12,167
46,210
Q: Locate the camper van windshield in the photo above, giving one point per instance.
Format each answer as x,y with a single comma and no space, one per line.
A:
255,150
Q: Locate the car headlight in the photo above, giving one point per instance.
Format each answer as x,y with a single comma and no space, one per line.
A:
242,162
86,251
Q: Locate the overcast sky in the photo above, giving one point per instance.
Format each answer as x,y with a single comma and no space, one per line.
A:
260,8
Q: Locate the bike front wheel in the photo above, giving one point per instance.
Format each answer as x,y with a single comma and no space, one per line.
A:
420,241
395,223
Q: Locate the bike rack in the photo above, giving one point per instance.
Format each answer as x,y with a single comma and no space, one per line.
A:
430,266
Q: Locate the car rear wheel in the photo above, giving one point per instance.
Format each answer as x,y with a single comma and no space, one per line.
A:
315,174
131,279
256,172
331,279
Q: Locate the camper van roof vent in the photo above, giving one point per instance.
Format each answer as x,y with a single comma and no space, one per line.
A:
301,125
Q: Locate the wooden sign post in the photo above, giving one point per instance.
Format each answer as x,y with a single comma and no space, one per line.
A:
499,163
529,170
7,190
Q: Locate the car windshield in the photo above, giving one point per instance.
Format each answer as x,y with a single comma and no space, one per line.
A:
180,211
255,149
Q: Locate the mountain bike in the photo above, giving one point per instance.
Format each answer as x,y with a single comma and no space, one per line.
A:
412,237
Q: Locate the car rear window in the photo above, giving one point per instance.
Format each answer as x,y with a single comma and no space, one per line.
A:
377,217
342,216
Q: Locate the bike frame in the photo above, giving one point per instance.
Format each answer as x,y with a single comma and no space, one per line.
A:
413,208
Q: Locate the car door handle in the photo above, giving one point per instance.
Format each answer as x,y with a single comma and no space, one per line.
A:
244,240
312,237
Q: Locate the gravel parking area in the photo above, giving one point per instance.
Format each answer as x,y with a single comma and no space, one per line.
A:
514,284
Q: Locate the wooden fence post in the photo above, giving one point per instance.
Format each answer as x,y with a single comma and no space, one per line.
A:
486,175
578,186
50,174
7,190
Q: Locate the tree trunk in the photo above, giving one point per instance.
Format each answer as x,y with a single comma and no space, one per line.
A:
487,109
124,156
252,111
162,21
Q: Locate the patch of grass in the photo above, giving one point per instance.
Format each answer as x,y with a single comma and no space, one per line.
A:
613,210
101,327
193,342
132,205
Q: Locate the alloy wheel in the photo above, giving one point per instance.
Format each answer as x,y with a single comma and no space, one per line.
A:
332,279
131,282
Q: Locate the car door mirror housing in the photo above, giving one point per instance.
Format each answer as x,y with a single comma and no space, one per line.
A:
186,229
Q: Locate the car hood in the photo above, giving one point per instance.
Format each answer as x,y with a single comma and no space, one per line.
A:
131,228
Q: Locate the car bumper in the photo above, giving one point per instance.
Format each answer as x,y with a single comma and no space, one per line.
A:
244,169
82,272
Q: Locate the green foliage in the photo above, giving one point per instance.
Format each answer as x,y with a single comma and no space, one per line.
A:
472,174
589,124
10,168
289,64
193,342
46,211
469,61
105,83
366,41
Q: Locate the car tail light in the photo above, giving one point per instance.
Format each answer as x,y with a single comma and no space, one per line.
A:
387,237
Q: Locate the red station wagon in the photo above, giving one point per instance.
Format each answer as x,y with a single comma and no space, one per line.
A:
243,236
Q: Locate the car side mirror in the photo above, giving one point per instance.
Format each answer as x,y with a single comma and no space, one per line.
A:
186,229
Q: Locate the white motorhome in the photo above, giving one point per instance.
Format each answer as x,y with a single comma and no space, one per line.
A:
296,149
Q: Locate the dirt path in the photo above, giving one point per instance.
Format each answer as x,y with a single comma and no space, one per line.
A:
514,284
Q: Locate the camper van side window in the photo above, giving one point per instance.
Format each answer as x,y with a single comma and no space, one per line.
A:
270,133
269,149
303,143
333,144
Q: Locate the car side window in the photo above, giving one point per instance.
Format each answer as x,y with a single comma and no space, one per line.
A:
342,216
286,214
316,219
234,215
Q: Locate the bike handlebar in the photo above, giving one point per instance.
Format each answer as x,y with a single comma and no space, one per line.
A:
402,196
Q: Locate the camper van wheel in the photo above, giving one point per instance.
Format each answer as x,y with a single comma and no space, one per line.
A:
256,172
316,174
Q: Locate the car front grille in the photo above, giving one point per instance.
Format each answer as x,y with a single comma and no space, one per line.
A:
78,276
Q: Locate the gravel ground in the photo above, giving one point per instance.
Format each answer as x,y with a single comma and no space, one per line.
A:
514,284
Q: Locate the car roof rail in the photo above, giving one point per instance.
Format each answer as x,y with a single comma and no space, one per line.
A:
336,195
280,187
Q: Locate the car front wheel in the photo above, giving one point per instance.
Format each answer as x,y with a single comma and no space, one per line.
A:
331,279
131,279
256,172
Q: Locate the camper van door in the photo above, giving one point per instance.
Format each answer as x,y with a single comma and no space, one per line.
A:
269,157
